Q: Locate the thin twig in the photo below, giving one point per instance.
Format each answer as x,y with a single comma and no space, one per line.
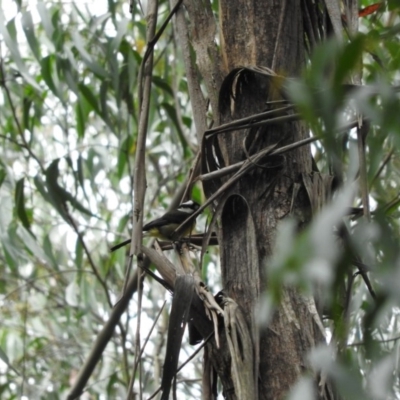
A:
89,257
154,40
144,79
33,280
137,336
131,382
5,137
102,340
382,166
14,113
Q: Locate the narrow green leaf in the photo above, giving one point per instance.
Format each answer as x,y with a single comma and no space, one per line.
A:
79,176
12,249
348,60
72,294
123,222
9,35
32,245
90,97
48,250
46,72
123,155
50,76
172,115
80,172
78,253
66,68
95,67
121,32
40,186
60,196
3,175
119,85
28,27
20,205
88,295
174,118
80,119
55,21
103,104
68,159
132,69
46,20
4,358
26,106
98,22
159,82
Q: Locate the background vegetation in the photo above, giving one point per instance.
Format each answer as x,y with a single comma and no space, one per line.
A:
69,123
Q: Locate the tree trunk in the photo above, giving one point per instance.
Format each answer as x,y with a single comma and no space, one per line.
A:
263,34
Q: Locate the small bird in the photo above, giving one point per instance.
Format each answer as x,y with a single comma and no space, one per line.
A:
165,226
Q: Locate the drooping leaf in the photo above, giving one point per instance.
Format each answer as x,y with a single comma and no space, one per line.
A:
66,67
4,358
163,85
9,35
28,27
90,97
20,205
174,118
80,176
26,107
94,66
121,32
72,294
123,156
30,242
81,117
78,253
103,104
58,195
48,250
3,175
49,75
46,19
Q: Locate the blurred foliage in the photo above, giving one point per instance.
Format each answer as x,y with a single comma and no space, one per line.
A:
364,332
68,123
68,126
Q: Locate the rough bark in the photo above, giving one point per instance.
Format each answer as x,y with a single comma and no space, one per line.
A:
266,34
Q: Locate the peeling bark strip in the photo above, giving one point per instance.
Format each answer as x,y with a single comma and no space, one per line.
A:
183,294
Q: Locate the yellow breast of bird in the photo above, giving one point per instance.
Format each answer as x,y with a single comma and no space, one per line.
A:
166,232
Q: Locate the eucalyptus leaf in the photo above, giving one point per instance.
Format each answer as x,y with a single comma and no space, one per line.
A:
95,67
8,31
28,26
20,205
4,358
